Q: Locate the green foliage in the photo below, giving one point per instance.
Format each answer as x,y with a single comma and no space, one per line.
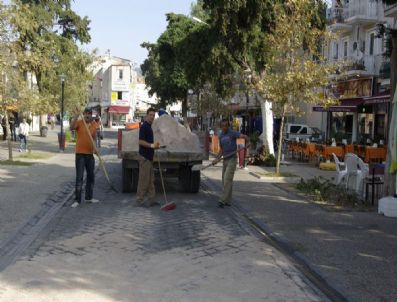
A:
14,163
263,158
325,191
44,44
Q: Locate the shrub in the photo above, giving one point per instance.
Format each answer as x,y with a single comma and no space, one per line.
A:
263,158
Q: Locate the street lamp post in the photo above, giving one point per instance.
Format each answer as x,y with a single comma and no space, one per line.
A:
62,136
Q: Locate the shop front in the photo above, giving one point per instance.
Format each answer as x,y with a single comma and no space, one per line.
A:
118,115
373,118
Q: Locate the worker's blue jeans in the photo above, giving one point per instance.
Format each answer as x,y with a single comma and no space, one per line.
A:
87,162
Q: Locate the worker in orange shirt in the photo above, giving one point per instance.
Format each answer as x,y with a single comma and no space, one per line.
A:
84,156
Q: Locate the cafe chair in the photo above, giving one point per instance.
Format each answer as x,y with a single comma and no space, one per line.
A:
341,171
351,162
374,180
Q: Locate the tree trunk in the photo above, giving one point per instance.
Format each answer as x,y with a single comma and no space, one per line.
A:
267,126
184,113
280,141
390,185
9,142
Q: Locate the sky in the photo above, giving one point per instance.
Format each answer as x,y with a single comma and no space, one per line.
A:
122,25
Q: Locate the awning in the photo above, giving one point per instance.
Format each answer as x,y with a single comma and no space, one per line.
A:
346,105
380,99
119,109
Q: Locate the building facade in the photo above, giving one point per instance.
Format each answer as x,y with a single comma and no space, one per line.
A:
362,84
111,94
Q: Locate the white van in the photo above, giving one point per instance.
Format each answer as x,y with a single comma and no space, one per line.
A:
301,131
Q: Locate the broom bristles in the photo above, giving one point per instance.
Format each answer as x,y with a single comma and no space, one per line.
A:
168,206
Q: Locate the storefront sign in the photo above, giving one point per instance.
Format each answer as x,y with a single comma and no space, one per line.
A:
124,101
353,89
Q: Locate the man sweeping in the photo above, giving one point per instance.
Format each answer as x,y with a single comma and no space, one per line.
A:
228,150
84,156
146,150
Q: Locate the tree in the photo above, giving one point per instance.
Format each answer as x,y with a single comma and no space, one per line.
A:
164,69
14,90
46,33
391,51
295,70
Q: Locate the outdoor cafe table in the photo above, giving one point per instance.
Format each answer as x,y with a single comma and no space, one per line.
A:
328,150
373,154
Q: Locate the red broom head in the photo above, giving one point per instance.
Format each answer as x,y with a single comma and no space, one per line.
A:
168,206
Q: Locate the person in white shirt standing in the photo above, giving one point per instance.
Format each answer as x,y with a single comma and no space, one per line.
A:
23,135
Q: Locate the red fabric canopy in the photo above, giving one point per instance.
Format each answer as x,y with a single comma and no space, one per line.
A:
119,109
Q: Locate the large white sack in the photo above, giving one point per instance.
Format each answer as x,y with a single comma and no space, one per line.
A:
169,132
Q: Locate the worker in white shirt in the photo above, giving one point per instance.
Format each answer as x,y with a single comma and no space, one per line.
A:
23,135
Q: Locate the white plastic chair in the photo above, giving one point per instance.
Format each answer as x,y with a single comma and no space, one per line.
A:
351,162
364,169
341,171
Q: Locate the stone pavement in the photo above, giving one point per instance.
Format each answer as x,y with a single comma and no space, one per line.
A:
353,251
114,251
24,189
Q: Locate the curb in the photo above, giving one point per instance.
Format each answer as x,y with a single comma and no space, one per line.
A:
20,240
23,238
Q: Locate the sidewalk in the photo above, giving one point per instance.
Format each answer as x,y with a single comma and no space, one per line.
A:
25,188
353,251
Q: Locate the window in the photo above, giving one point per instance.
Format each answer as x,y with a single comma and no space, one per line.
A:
294,129
336,50
371,43
303,131
120,74
119,95
345,46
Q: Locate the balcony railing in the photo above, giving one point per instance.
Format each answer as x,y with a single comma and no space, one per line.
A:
335,15
363,8
371,65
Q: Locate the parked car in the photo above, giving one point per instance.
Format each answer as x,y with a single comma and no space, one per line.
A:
302,131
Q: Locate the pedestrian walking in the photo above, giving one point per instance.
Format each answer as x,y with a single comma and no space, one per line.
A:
23,131
13,128
146,150
228,150
99,131
4,125
84,156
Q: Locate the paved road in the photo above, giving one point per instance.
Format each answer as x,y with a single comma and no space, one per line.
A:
354,251
113,251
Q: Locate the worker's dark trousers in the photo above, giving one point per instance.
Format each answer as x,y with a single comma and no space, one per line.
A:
87,162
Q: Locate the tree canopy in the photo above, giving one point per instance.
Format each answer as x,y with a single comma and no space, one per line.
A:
44,42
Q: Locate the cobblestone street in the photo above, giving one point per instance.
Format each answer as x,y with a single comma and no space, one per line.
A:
114,251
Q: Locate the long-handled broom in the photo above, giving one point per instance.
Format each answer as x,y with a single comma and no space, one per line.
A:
101,162
168,206
201,167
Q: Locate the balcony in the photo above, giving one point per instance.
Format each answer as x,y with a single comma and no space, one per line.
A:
336,21
364,12
364,66
390,10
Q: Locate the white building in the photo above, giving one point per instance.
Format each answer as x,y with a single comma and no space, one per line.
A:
363,84
111,90
141,99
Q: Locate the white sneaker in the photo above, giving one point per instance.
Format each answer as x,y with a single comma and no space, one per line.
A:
92,200
75,204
